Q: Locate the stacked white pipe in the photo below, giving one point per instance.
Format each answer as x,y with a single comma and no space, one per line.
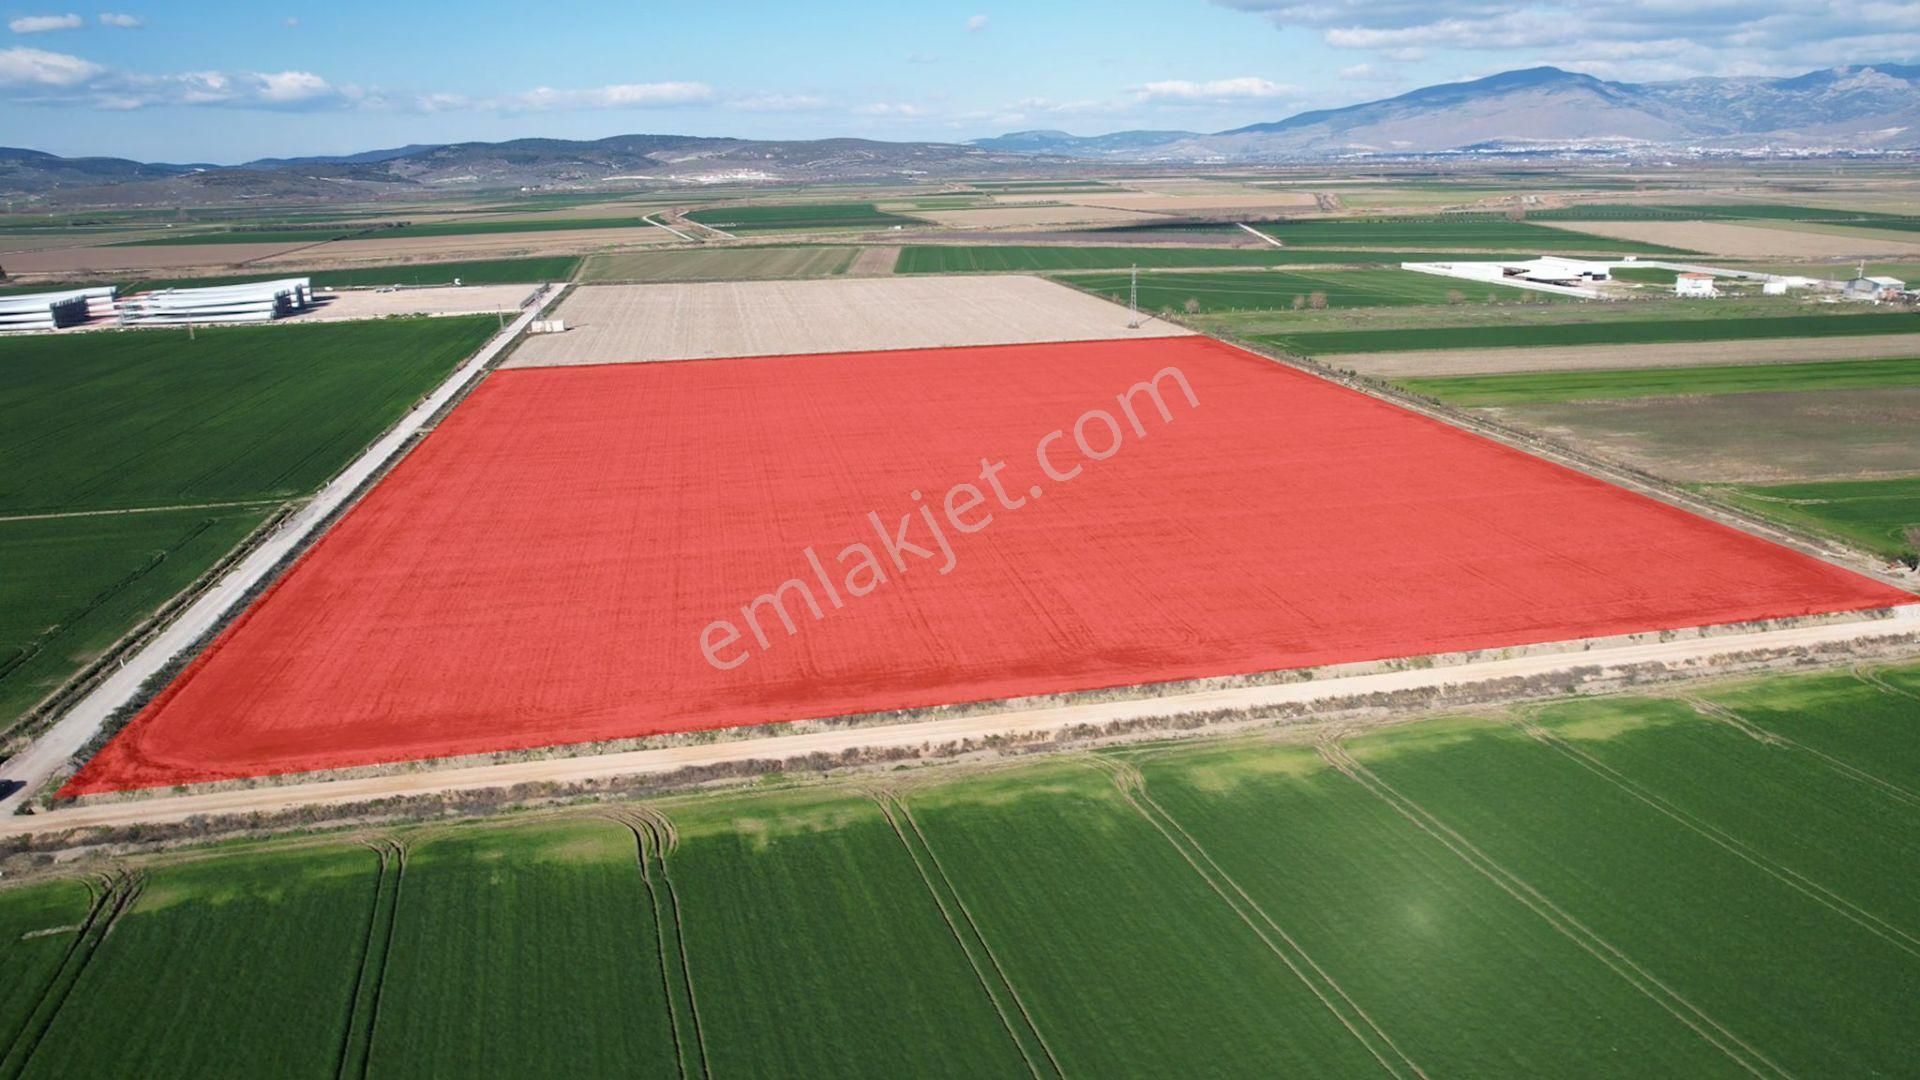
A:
55,310
256,301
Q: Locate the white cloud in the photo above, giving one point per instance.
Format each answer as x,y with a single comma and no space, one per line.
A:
121,20
976,24
887,108
618,96
1634,38
40,68
287,87
780,103
40,24
1245,88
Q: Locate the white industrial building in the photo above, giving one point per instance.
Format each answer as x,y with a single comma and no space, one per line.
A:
1694,284
55,310
1548,273
1864,287
256,301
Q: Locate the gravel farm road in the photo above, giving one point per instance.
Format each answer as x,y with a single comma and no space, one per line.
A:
1696,651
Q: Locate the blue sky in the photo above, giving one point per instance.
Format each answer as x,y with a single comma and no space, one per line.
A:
226,81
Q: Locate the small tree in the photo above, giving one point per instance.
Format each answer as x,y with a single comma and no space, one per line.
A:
1192,305
1317,300
1299,302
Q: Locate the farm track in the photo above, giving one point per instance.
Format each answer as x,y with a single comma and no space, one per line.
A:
1716,1034
1755,731
654,836
1813,890
1132,785
1872,678
60,515
363,1010
112,898
994,982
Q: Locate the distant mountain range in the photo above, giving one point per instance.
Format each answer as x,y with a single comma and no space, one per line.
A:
1866,108
1855,109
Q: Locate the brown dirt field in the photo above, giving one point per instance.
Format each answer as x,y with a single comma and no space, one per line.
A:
874,261
490,245
449,300
1742,438
95,260
1266,201
732,263
1431,362
638,323
1018,216
1743,241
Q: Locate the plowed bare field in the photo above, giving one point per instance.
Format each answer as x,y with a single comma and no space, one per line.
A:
683,321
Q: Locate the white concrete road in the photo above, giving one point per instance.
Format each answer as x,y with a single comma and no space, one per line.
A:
31,767
565,770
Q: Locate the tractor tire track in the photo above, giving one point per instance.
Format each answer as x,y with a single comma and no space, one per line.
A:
1747,727
654,836
994,982
1132,785
116,895
363,1017
1650,985
1786,875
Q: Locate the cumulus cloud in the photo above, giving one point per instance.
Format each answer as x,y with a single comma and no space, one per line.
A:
23,67
1631,37
780,103
889,108
1245,88
121,20
40,24
617,96
976,24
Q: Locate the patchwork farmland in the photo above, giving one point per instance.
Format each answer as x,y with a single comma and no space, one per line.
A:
827,649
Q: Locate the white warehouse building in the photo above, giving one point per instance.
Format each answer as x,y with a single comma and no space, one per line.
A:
1548,273
257,301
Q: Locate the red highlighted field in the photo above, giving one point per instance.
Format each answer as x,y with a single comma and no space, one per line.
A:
543,568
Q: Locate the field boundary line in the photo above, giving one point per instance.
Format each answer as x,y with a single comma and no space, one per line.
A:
895,811
1752,730
60,515
1256,232
1786,875
1650,985
117,894
1132,785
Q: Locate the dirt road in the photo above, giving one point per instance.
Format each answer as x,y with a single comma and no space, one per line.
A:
1696,652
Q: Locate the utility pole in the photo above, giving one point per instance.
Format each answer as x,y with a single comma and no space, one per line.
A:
1133,298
